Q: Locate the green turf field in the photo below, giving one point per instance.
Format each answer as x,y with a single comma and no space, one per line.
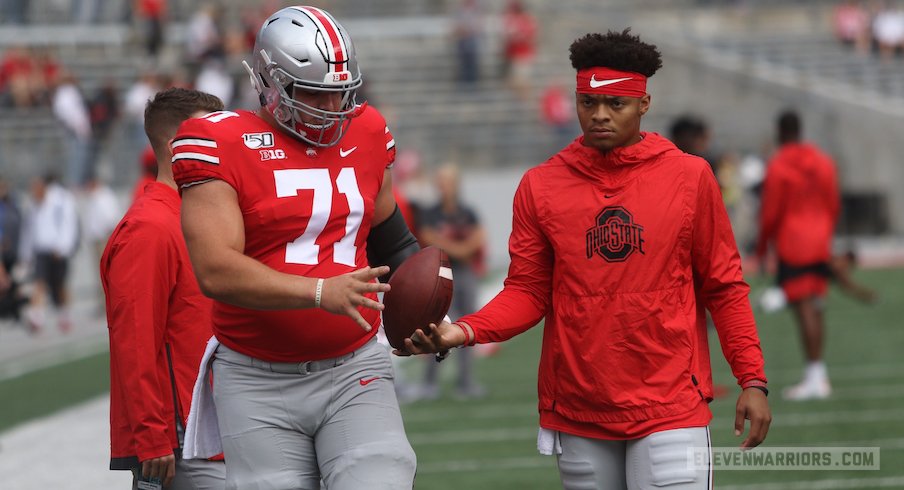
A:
45,391
490,444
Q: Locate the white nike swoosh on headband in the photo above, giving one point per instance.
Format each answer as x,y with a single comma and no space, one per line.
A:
594,83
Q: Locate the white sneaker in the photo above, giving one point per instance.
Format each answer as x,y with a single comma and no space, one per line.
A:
808,390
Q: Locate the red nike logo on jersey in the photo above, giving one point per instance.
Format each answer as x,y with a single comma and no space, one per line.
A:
365,382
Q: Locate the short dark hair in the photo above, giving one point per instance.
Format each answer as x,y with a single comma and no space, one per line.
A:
616,50
168,108
789,126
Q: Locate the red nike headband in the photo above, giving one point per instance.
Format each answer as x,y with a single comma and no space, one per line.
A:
606,81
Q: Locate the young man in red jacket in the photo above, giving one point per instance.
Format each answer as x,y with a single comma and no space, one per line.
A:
621,241
158,319
800,206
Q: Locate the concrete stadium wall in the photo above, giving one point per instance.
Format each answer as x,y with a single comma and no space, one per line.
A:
741,108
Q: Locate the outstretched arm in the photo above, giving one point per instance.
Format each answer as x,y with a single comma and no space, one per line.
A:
841,271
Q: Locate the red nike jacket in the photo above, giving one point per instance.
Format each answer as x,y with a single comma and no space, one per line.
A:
159,324
621,252
800,205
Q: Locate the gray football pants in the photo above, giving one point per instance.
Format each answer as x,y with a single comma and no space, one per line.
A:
659,460
287,426
194,474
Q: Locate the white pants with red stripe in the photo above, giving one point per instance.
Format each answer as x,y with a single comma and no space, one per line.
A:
659,460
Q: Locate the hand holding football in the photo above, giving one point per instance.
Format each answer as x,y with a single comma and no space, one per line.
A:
421,294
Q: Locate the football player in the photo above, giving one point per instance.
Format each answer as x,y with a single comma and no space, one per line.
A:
158,319
800,207
621,241
283,210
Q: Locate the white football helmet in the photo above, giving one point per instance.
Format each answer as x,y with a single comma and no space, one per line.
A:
305,48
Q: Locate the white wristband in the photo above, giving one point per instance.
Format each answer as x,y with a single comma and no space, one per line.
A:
318,293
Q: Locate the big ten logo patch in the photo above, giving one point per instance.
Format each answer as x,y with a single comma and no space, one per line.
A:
615,236
276,154
258,140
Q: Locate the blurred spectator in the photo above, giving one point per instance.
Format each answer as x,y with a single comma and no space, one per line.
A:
46,75
11,301
10,227
519,31
151,15
103,109
558,111
408,175
86,11
16,71
851,23
49,242
137,96
100,215
13,11
26,76
203,39
888,31
214,79
134,102
467,31
455,228
70,109
253,17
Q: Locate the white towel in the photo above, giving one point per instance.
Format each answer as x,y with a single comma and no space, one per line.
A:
202,432
548,442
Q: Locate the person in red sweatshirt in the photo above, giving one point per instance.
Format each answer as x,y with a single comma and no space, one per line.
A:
621,242
798,212
158,319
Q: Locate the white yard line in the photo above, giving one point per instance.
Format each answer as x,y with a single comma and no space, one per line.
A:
79,349
526,433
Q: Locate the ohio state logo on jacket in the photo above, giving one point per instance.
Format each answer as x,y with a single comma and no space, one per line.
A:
615,236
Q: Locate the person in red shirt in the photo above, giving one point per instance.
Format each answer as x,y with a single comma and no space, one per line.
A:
621,242
159,321
799,208
519,29
283,211
152,14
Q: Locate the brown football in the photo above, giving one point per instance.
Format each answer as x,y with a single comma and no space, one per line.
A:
421,294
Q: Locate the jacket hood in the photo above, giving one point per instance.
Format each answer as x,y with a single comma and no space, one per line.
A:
613,166
802,158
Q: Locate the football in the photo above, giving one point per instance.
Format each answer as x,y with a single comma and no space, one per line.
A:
421,294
